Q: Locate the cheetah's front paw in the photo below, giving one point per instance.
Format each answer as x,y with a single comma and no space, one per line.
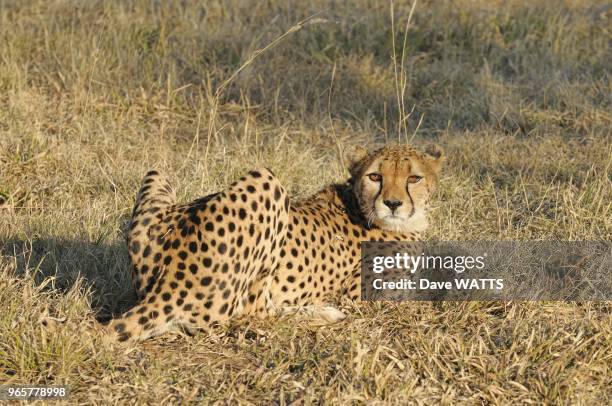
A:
325,314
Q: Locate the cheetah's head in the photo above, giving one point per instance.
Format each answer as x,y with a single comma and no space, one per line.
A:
393,185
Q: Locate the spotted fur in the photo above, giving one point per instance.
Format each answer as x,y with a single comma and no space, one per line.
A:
246,251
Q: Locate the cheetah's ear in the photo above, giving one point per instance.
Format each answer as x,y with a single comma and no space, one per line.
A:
435,156
356,154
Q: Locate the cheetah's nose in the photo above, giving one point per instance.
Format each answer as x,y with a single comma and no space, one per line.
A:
392,204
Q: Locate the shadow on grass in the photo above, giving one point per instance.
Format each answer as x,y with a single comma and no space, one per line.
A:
98,268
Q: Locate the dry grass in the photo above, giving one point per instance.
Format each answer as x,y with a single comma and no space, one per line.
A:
94,93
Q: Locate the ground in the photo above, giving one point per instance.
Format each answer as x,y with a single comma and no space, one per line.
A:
93,96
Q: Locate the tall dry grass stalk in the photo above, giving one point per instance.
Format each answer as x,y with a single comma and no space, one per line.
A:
401,77
215,99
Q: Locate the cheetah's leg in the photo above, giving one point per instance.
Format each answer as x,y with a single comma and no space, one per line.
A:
326,314
153,317
142,322
212,262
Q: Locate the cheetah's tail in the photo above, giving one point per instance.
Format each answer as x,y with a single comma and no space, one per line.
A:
155,192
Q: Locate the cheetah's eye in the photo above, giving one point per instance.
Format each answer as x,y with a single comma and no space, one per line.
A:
414,179
375,177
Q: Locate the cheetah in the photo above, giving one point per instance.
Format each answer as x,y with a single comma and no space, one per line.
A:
248,250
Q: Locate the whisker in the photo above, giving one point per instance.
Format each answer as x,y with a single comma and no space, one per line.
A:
370,218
